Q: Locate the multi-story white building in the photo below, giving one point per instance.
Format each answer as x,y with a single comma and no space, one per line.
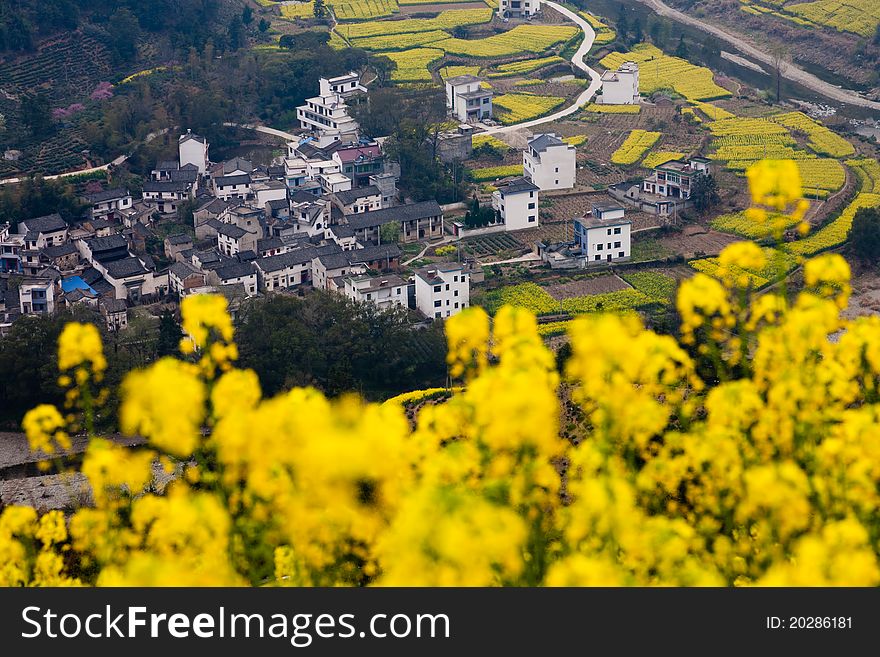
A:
518,8
327,116
620,87
442,290
36,296
516,204
604,236
285,270
385,291
237,186
466,100
347,85
549,162
355,201
675,179
193,149
11,245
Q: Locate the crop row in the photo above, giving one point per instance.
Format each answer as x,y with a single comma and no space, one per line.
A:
868,171
489,140
657,286
535,298
659,71
778,265
524,66
412,65
836,232
494,173
821,139
858,16
657,158
739,224
453,71
400,41
713,111
522,38
637,143
612,109
445,20
359,10
522,107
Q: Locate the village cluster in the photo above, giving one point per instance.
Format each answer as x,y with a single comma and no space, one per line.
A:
326,215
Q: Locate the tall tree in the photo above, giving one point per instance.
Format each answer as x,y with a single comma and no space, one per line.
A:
170,334
319,9
36,114
704,192
864,236
681,50
247,15
124,31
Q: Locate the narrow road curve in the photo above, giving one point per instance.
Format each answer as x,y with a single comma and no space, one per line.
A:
578,61
789,70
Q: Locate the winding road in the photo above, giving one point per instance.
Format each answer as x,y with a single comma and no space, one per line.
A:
789,70
578,61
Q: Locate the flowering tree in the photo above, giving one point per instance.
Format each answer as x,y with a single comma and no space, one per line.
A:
746,453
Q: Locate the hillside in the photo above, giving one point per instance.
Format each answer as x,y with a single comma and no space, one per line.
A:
838,40
57,59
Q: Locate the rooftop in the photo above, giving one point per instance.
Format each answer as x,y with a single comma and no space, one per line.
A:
235,270
462,79
107,195
46,224
407,212
544,141
430,274
350,196
125,267
595,222
518,186
375,283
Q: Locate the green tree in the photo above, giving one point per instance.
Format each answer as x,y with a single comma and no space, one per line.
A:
704,192
36,114
247,15
864,236
681,50
124,30
263,26
319,9
170,334
235,33
390,233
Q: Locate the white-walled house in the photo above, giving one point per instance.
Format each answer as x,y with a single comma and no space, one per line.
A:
243,273
442,290
193,149
36,295
40,232
355,201
385,291
549,162
674,179
516,204
236,186
605,236
108,203
347,85
166,195
285,270
621,87
466,100
326,115
518,8
271,190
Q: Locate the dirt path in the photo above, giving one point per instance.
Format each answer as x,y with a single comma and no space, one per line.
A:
789,70
578,60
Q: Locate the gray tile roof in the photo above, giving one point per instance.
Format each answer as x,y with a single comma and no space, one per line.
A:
49,223
231,230
125,267
109,243
518,186
241,179
235,270
107,195
352,195
543,141
285,260
407,212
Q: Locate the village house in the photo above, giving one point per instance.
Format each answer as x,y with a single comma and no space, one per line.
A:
108,204
549,162
360,161
674,179
284,270
238,273
386,183
231,240
208,208
620,87
11,245
37,295
63,258
100,226
326,115
127,274
466,100
384,291
516,204
236,186
347,85
184,279
605,235
355,201
115,312
270,190
518,8
442,290
456,145
165,196
418,221
175,245
40,232
193,149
